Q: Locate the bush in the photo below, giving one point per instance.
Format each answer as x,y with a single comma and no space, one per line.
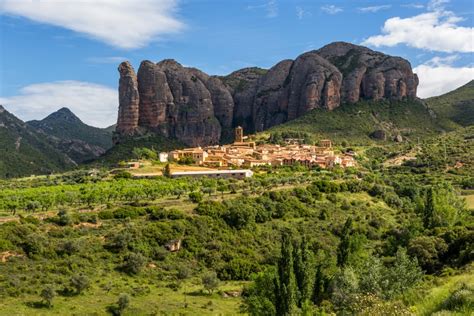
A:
195,197
128,212
107,214
123,175
210,208
133,263
80,283
47,295
462,299
238,269
161,214
210,281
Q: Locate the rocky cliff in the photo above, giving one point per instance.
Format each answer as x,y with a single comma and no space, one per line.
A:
198,109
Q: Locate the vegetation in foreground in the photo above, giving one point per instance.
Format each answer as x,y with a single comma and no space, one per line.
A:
289,240
393,236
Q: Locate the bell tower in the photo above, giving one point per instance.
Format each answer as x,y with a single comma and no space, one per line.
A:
239,134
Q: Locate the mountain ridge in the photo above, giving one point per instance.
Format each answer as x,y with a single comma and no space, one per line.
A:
187,104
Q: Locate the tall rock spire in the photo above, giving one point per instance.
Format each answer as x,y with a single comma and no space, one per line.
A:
129,100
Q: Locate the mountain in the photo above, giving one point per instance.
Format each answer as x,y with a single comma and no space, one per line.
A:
197,109
456,106
25,151
68,134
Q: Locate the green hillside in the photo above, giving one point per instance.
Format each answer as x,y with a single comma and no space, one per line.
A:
66,132
358,122
456,106
24,151
124,149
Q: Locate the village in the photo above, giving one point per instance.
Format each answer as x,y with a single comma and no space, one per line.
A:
226,160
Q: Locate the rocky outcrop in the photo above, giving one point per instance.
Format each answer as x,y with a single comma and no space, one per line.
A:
187,104
370,75
127,121
314,83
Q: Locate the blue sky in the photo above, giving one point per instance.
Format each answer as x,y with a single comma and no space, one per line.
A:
54,54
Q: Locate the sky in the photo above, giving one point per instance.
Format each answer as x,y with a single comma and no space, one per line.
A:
65,53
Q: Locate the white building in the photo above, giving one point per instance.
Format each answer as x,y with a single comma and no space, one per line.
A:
163,156
238,174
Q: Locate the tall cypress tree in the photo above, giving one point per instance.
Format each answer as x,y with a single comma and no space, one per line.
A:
286,292
343,250
319,288
303,265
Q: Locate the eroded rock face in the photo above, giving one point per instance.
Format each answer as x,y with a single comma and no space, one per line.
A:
270,105
128,99
198,109
370,75
314,83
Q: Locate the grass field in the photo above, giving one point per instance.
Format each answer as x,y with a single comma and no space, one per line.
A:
149,298
470,201
431,300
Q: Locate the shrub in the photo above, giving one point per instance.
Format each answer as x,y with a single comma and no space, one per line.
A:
128,212
238,269
210,281
195,197
47,295
161,214
133,263
80,283
123,175
106,214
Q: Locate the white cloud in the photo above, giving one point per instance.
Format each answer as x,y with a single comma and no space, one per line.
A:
435,5
106,60
270,7
438,76
331,9
436,30
125,24
442,61
95,104
413,5
374,9
300,13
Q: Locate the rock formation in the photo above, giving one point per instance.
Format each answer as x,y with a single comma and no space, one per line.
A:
198,109
127,121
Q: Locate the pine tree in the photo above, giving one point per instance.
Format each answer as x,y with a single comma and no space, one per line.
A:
286,289
343,250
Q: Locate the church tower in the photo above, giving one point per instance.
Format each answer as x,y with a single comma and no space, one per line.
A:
239,134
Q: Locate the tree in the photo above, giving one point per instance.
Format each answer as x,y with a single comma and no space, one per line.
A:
343,249
371,276
195,197
210,281
344,286
167,171
64,218
133,263
286,287
303,266
319,288
404,273
259,296
123,302
80,283
428,250
47,295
